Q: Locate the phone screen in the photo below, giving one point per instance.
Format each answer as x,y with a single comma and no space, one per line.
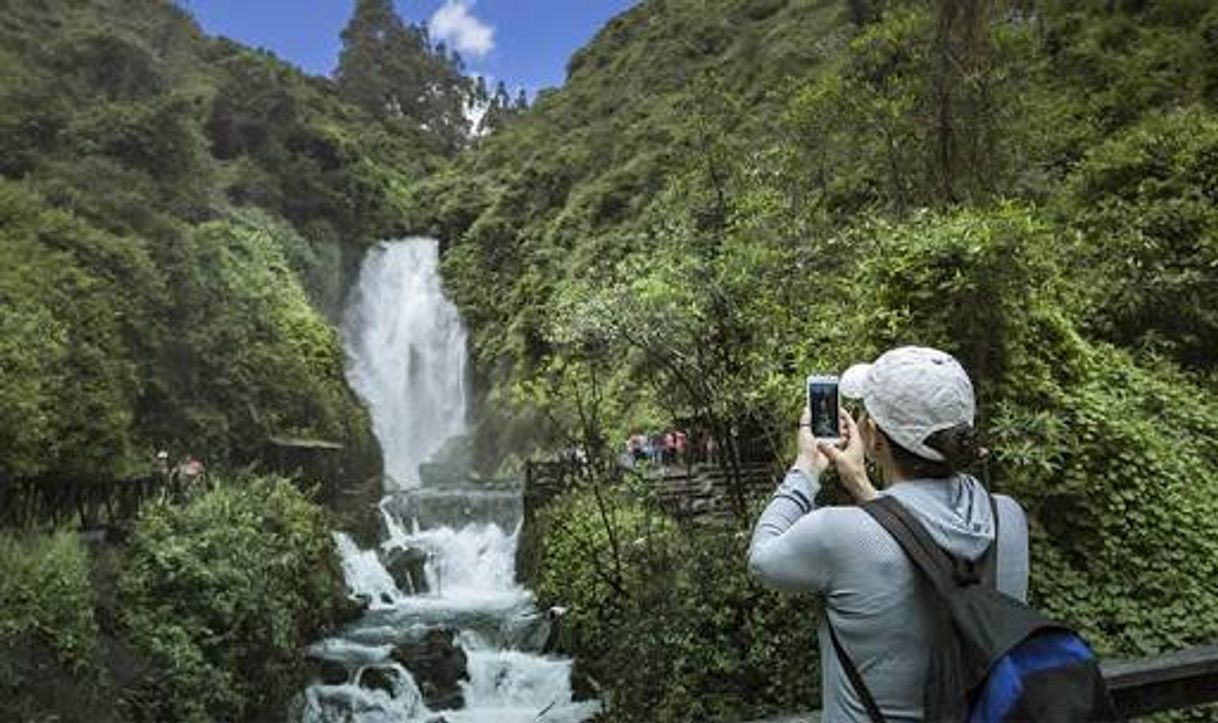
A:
822,403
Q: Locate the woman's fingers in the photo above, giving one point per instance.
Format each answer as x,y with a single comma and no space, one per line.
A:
850,430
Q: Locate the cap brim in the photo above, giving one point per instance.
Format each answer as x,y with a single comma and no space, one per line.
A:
853,383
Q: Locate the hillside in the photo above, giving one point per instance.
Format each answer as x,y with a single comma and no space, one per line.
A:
727,196
181,216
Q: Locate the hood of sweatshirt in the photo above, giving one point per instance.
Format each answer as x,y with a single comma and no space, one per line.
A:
955,511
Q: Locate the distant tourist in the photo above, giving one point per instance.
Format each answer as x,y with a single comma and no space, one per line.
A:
710,449
190,474
636,444
160,464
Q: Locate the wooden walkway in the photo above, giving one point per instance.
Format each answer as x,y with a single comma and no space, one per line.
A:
88,504
698,493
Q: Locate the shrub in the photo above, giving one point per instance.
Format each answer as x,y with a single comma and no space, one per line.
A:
45,594
1112,455
223,593
1144,204
671,623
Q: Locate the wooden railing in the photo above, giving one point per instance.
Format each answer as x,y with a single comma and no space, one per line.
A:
88,504
699,493
1154,684
1171,681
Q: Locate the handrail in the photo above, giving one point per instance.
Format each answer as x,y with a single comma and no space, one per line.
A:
1175,680
1169,681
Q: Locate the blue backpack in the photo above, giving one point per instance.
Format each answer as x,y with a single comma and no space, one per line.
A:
993,658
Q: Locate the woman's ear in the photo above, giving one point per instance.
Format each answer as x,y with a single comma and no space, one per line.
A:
870,435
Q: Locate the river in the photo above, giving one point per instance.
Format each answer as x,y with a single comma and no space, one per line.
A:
453,637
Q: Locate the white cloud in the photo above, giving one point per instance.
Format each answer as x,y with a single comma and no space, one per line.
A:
455,24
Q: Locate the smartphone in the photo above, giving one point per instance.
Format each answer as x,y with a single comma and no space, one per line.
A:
823,402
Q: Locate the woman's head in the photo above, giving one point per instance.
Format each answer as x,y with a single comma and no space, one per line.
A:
920,411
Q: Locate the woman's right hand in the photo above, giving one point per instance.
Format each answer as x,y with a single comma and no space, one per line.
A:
850,460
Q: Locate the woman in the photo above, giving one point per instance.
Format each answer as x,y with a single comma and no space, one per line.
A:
918,430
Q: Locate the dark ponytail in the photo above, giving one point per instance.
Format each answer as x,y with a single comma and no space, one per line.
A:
959,446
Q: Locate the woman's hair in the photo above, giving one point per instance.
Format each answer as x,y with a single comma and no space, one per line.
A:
958,445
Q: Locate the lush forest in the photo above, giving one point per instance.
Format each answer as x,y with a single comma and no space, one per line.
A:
179,218
724,196
727,196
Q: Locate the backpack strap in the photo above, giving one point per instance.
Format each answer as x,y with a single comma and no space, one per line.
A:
856,680
917,543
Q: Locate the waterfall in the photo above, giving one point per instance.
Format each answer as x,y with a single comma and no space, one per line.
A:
406,359
406,355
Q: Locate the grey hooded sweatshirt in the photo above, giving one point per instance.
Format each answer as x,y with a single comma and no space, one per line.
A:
873,595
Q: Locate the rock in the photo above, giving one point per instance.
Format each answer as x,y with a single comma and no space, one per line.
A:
583,685
356,509
406,568
373,678
438,665
353,608
450,465
331,672
554,632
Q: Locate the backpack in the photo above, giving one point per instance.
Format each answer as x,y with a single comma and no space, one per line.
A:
993,657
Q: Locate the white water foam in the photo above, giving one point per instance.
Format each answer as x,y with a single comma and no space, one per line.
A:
365,575
406,355
406,359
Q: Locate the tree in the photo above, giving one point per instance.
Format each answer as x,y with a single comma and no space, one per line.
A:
390,69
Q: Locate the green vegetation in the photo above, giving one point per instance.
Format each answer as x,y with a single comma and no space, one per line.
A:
664,618
224,593
724,199
725,196
201,617
178,218
45,599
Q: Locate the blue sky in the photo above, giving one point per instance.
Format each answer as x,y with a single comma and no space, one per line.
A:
525,43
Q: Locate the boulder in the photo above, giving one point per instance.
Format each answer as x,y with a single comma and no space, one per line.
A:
373,678
406,568
438,665
353,608
331,672
583,685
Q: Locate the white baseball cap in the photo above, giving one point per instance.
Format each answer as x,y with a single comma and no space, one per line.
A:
912,392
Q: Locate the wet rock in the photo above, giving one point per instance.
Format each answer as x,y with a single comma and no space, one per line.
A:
372,678
325,669
583,685
353,608
449,466
356,507
554,630
438,665
406,568
331,672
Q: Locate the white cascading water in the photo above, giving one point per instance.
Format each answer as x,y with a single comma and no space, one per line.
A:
406,355
406,350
